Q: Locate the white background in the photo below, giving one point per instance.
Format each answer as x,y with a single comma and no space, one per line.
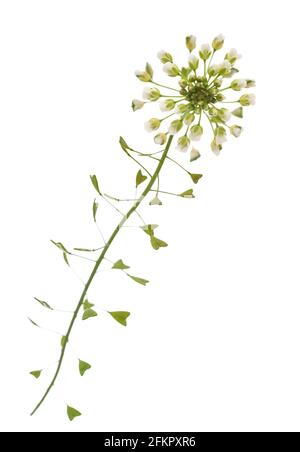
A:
213,342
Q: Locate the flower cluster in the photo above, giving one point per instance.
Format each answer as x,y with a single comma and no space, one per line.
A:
200,94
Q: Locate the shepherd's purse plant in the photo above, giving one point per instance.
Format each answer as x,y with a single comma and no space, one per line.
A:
205,92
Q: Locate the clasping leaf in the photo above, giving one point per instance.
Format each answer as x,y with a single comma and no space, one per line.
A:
140,178
95,183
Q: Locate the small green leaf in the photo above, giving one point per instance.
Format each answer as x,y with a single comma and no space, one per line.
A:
60,246
95,210
119,265
87,305
141,281
157,243
149,228
72,413
120,316
66,259
43,303
140,178
63,341
196,177
33,323
123,144
36,373
95,183
83,367
88,314
188,194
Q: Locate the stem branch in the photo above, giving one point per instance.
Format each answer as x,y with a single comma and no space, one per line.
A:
97,265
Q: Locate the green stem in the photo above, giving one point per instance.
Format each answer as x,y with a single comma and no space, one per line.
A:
97,265
164,86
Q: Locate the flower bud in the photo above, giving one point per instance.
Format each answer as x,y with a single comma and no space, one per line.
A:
225,68
152,124
232,56
152,94
189,118
182,108
218,42
165,57
191,42
137,104
196,133
175,126
183,144
236,131
205,52
238,85
224,114
167,105
213,70
215,147
143,76
220,97
251,83
195,155
247,99
218,83
171,69
193,62
220,135
161,139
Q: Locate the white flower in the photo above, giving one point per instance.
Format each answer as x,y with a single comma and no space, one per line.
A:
196,133
195,155
143,76
160,139
175,126
218,42
171,69
225,68
193,62
215,147
220,137
183,144
213,70
233,56
152,124
224,114
165,57
151,94
191,42
137,104
205,51
167,105
251,83
236,131
248,99
238,85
